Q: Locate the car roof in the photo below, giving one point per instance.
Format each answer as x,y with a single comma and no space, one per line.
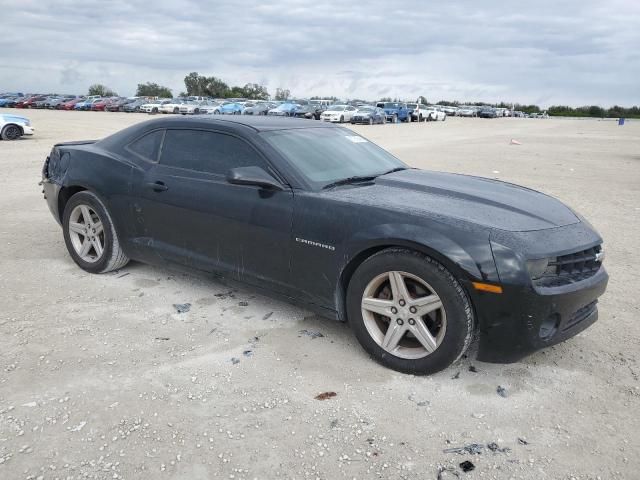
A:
257,123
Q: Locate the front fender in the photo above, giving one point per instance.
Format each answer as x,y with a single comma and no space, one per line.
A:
466,254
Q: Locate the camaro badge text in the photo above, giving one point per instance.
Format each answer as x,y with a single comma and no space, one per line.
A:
315,244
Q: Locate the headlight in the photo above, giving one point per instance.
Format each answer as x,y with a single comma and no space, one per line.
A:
541,267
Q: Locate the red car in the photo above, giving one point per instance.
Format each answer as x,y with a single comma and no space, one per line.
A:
70,104
102,105
28,102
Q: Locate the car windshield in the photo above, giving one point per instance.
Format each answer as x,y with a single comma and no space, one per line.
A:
412,105
326,155
336,108
366,109
391,105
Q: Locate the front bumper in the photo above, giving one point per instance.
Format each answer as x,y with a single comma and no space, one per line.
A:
27,130
522,320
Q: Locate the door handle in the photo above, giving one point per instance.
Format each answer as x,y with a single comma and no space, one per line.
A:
157,186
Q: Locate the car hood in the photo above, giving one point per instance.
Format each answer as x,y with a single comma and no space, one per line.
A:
446,196
7,117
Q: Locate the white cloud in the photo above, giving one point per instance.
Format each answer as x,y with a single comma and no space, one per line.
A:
575,52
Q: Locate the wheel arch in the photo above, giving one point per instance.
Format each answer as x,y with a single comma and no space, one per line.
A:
11,124
356,260
65,194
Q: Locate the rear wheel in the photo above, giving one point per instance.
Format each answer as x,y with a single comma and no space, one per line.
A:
409,312
90,236
11,132
341,118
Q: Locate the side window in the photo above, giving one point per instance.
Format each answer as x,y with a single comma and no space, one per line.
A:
207,152
148,146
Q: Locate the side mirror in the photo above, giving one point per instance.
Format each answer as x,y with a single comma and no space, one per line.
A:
253,176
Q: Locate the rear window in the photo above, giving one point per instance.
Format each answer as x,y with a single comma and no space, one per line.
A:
148,146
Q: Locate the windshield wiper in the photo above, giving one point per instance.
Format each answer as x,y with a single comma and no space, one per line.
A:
349,180
363,178
397,169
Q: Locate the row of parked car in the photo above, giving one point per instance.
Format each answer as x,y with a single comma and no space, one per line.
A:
318,109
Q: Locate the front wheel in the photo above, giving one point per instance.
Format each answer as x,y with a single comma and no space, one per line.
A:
176,110
11,132
409,312
341,118
90,236
395,119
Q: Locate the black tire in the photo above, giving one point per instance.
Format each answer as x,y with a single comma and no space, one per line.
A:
176,110
11,132
459,314
113,257
420,119
370,121
154,110
341,118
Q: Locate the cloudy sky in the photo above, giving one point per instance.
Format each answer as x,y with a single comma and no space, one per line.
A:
572,52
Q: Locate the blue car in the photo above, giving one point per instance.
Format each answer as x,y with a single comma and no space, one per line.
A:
285,110
369,115
395,111
232,108
9,101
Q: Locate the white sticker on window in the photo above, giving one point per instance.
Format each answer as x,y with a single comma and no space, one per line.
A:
355,139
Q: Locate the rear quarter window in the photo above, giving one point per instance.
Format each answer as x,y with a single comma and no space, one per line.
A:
147,146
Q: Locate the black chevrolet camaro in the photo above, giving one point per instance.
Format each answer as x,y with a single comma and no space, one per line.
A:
418,262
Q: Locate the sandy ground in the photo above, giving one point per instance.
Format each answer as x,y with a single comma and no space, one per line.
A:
101,378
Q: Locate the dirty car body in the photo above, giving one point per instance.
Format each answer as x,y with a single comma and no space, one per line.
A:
302,238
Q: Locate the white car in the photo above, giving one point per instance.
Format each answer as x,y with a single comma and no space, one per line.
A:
210,107
419,112
435,113
173,106
12,127
450,110
193,108
338,113
153,106
467,111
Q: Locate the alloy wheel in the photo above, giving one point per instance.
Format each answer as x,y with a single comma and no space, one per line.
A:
404,315
86,233
12,132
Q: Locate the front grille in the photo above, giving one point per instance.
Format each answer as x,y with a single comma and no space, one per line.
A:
571,268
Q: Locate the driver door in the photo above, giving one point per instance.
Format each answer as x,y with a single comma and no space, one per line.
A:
196,218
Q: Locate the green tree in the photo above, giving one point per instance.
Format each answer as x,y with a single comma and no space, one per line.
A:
200,85
150,89
282,94
102,90
255,91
